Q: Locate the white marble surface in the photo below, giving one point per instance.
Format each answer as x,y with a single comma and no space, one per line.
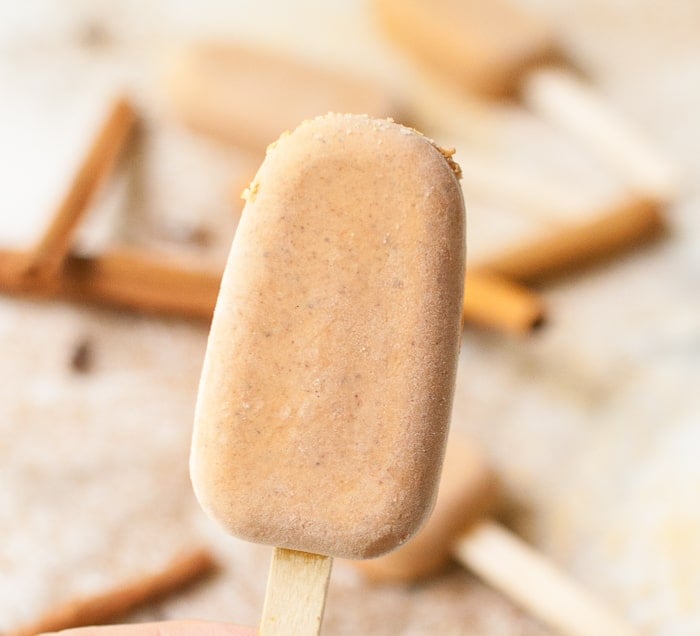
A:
594,423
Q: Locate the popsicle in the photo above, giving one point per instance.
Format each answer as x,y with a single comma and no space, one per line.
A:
327,383
496,49
458,529
249,96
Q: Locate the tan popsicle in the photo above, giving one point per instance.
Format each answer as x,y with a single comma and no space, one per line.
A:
249,96
327,384
458,529
496,49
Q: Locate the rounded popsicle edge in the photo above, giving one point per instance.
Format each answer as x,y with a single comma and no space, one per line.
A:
354,231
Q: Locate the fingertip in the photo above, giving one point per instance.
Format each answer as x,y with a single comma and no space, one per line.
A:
167,628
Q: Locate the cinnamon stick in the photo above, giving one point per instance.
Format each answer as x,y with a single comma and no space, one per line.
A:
133,279
624,226
153,283
493,301
45,258
119,601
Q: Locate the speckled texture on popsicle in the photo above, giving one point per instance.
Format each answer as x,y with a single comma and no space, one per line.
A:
327,385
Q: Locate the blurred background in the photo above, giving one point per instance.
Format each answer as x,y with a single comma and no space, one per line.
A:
592,421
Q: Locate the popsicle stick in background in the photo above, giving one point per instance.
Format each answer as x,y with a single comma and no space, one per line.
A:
623,226
295,598
559,96
45,259
119,601
531,581
459,529
495,49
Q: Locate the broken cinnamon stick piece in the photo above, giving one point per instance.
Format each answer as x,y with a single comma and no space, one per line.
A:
45,258
625,226
152,283
133,279
493,301
119,601
142,281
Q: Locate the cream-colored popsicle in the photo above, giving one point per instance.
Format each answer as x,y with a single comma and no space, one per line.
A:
248,96
327,384
458,529
485,45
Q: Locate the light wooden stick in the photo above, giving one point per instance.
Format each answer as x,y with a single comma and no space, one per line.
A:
622,227
514,568
45,258
154,283
296,594
119,601
493,301
559,96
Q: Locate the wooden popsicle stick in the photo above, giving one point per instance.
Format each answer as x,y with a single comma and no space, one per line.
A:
559,96
514,568
622,227
493,301
296,593
458,528
119,601
46,257
153,283
495,49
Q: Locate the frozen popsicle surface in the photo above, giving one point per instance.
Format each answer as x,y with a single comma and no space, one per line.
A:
327,383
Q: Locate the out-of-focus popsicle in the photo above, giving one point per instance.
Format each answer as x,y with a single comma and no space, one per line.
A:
327,383
250,96
458,529
494,48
